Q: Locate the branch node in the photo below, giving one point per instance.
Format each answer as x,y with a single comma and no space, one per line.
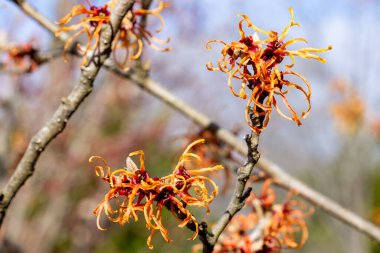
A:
65,101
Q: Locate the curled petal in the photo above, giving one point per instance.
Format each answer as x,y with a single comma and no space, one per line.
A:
141,153
250,24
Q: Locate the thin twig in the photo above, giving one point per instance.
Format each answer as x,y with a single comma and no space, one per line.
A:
65,110
140,78
239,195
46,56
41,19
38,59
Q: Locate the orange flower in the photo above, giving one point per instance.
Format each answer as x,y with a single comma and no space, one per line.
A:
236,237
256,63
375,128
349,111
288,223
91,25
133,33
266,198
133,191
287,219
24,57
130,36
269,227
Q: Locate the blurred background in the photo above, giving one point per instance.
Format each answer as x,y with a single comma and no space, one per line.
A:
336,150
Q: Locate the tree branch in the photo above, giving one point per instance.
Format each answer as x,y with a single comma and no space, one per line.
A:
65,110
239,196
37,59
41,19
139,77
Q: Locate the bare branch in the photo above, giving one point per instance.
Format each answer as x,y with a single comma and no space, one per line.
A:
38,59
41,19
139,77
46,56
67,107
239,196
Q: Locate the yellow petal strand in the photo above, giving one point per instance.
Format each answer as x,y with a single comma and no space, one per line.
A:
214,41
149,241
250,24
191,145
98,219
141,153
76,10
203,170
286,29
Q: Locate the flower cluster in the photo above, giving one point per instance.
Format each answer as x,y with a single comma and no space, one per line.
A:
133,190
269,227
130,36
92,21
133,33
24,56
349,111
255,63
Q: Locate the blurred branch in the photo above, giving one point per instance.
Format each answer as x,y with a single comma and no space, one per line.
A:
41,19
38,59
7,246
46,56
144,18
67,107
140,78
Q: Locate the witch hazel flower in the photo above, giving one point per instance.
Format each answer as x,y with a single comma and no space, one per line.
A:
256,63
129,39
92,20
133,191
